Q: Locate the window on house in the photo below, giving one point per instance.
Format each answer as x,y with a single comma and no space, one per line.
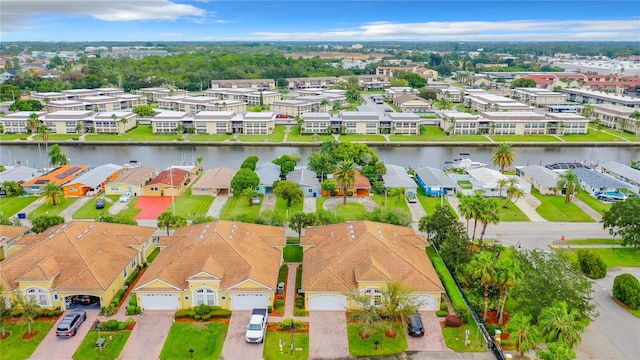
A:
205,296
126,274
376,296
134,263
39,295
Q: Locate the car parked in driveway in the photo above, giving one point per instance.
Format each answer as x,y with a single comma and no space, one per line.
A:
255,200
100,204
125,197
70,323
414,325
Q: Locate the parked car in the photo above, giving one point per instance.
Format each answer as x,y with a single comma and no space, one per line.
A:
255,200
414,325
388,110
70,323
412,198
257,326
125,197
90,193
100,204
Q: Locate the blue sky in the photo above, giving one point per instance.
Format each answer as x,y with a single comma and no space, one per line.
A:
320,20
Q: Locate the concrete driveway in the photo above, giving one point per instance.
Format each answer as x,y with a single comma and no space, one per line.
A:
149,335
328,335
235,348
63,348
433,340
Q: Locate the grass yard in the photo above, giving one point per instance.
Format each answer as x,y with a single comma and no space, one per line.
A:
592,242
276,136
614,257
594,203
553,208
49,209
272,345
140,133
238,205
454,338
281,207
131,212
524,138
58,137
206,339
9,137
592,136
393,202
294,137
379,138
626,135
16,348
292,253
352,211
465,184
366,347
430,204
10,206
209,138
89,211
189,206
111,351
434,133
512,213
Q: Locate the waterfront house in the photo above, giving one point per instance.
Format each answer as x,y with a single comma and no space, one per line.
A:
541,178
93,180
308,181
268,174
130,180
171,182
214,182
19,174
434,182
622,172
592,181
59,176
397,177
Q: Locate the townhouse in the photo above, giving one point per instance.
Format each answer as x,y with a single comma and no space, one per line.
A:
319,82
167,122
243,84
483,101
617,117
157,93
400,123
513,123
317,123
396,91
452,94
99,103
16,123
412,103
360,122
600,98
370,82
215,122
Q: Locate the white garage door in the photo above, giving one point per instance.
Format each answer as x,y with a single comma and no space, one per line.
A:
159,301
328,302
249,301
428,302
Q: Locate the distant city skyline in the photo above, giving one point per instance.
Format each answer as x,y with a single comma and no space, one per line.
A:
320,20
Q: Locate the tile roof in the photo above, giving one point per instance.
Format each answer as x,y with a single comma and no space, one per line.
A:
169,177
9,232
76,256
217,178
340,255
361,182
231,251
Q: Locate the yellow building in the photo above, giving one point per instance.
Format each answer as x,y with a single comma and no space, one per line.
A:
228,264
364,256
170,182
9,235
77,259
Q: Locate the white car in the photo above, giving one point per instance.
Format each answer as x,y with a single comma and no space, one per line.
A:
125,197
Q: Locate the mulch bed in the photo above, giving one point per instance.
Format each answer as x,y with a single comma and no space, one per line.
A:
221,320
125,297
274,327
6,335
131,326
28,336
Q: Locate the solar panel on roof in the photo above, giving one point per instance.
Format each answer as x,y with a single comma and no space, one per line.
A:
61,176
40,182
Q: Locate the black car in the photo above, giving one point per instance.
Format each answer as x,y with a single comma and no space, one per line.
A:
414,325
100,204
70,323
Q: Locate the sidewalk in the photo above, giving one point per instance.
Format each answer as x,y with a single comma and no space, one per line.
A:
290,297
268,202
309,205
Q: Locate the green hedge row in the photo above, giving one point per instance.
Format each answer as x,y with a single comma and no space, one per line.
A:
153,255
449,284
115,325
191,314
282,274
44,313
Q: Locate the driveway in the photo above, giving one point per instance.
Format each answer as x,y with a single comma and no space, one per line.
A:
433,340
367,202
147,338
63,348
235,348
328,335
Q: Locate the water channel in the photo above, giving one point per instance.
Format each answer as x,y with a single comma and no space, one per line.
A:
161,156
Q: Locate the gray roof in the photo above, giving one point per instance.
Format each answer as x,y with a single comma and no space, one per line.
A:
622,170
268,173
434,177
599,180
18,173
543,176
397,177
304,177
97,176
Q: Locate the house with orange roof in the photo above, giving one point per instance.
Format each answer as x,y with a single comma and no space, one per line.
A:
224,263
8,237
77,259
170,182
59,176
361,187
93,180
363,257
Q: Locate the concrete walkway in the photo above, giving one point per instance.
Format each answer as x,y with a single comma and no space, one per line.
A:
216,207
416,210
67,213
29,208
268,202
587,209
309,205
528,204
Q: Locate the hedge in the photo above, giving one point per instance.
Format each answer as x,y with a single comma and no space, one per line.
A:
591,264
153,255
216,312
282,275
626,288
449,284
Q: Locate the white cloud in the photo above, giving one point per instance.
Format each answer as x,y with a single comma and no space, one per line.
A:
18,14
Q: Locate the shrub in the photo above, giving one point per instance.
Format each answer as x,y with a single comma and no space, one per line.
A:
185,314
491,328
299,278
452,321
278,303
131,310
299,312
46,313
203,309
197,317
626,288
223,314
444,305
282,275
109,310
463,312
57,312
206,317
300,302
110,325
286,324
133,301
449,284
133,276
591,264
117,297
269,309
153,255
442,313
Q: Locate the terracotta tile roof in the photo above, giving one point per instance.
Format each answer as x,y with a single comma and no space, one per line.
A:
168,177
231,251
80,255
340,255
361,182
8,232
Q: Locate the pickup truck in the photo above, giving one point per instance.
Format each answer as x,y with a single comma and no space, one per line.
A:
257,326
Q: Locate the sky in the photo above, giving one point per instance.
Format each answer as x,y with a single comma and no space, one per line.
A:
319,20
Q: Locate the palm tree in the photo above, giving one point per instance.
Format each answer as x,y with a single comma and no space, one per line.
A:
53,193
502,184
503,156
482,266
623,125
636,116
509,274
570,183
299,121
29,308
491,214
44,131
587,111
33,123
466,208
558,324
522,334
345,176
199,161
477,207
56,156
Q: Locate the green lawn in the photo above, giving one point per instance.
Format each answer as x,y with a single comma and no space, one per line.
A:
8,137
524,138
352,211
89,211
140,133
281,207
615,257
512,213
592,242
58,137
434,133
292,253
10,206
553,208
593,135
366,347
276,136
454,338
209,138
111,351
189,206
131,212
15,348
626,135
49,209
465,184
594,203
430,203
393,202
294,137
272,345
206,339
379,138
238,205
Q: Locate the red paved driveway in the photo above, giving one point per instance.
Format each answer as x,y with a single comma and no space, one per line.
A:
152,206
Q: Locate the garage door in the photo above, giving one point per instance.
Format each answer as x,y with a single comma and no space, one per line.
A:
159,301
249,301
328,302
428,302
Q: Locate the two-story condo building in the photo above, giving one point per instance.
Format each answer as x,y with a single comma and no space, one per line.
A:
538,97
157,93
600,98
616,117
243,84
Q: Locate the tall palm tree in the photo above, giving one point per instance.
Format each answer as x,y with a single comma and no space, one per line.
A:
502,184
478,202
33,123
503,156
490,214
509,274
570,182
635,115
53,193
345,176
587,111
465,207
482,266
559,324
56,156
44,131
522,333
